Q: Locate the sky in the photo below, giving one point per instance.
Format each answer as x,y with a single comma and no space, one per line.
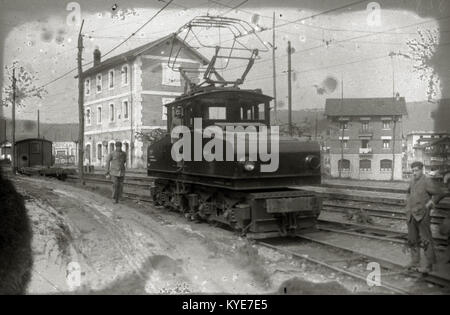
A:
334,51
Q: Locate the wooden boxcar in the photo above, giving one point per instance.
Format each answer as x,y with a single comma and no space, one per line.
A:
33,152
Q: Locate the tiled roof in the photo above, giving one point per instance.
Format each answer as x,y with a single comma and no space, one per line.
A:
135,52
384,106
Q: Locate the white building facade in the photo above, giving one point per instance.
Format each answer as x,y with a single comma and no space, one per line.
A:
124,95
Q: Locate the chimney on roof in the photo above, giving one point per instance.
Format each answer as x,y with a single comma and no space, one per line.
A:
97,56
397,96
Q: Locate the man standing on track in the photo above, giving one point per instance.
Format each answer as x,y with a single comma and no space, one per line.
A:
423,195
116,170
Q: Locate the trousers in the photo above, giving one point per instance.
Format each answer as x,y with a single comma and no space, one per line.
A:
117,185
419,236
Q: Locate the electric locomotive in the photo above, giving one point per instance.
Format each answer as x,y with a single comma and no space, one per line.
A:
232,167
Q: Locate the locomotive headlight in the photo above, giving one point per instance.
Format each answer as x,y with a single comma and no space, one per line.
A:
249,166
312,161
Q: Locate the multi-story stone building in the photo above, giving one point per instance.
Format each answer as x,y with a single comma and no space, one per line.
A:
366,137
125,94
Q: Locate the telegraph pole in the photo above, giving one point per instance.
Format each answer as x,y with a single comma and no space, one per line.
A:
394,120
80,106
392,54
13,142
38,124
289,89
316,127
343,125
274,72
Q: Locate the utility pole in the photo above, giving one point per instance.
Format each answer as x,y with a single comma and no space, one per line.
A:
343,125
316,127
38,124
13,142
392,54
80,106
393,146
274,74
289,89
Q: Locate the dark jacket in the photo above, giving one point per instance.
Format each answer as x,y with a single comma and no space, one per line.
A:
420,191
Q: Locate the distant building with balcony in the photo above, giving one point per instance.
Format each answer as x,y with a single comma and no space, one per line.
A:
423,125
365,137
435,154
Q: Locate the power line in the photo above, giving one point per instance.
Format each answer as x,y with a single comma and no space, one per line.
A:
349,39
325,67
313,26
330,66
114,48
134,33
376,33
233,8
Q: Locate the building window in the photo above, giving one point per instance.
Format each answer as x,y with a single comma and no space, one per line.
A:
111,79
99,83
111,147
344,165
165,100
99,115
170,77
343,125
344,144
99,151
365,165
88,153
365,126
88,116
386,124
111,112
87,86
386,144
125,109
124,73
365,144
385,165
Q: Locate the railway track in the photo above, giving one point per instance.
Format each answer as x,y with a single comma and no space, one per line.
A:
394,278
440,278
371,232
338,264
374,208
437,216
347,263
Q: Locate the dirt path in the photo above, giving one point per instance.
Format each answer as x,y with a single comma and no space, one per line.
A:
135,248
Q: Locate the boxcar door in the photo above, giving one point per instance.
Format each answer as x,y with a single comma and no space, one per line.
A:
35,154
22,155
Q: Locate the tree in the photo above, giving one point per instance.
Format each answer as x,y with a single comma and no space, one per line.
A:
25,87
151,136
421,51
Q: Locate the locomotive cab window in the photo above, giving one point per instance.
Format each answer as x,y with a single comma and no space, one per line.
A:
230,113
216,113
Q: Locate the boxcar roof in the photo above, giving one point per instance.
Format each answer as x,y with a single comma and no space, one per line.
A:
33,139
